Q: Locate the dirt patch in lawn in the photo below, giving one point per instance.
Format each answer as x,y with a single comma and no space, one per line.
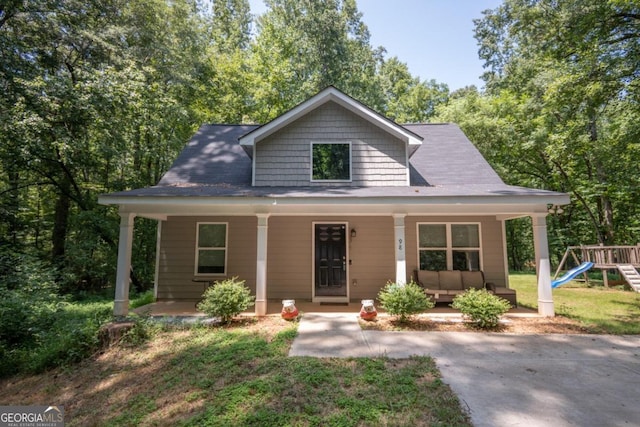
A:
512,325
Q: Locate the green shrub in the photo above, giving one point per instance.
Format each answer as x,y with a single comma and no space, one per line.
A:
39,328
70,340
404,300
29,299
70,336
481,307
226,299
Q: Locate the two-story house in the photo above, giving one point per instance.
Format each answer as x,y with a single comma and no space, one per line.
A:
328,202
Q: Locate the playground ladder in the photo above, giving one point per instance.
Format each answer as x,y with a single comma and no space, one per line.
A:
631,275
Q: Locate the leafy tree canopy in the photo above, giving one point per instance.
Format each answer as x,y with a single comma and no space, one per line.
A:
100,96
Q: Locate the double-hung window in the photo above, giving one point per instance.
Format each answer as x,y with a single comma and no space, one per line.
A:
331,161
211,248
449,246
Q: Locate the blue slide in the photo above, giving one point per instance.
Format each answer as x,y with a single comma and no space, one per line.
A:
571,274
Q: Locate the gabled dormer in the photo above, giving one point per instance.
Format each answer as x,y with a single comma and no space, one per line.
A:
330,140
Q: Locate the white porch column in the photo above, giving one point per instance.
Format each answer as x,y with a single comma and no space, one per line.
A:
121,302
400,243
158,255
261,265
543,267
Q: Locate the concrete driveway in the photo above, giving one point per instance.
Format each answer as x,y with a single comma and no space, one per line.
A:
505,379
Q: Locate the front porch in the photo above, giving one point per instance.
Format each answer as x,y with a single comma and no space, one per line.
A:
374,248
170,308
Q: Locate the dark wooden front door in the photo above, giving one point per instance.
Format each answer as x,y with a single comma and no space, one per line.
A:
330,260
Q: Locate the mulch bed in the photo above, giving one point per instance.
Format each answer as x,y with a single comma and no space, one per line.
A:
512,325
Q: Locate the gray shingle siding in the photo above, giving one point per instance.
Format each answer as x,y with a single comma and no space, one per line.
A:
284,158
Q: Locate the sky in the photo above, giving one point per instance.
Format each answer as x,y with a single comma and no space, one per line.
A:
433,37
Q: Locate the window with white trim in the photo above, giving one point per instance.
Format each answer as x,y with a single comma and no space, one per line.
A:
211,248
331,161
450,246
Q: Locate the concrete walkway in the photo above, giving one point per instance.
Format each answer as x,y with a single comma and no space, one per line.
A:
504,379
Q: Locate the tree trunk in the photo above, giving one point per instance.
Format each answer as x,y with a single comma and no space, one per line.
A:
605,204
606,207
61,222
13,207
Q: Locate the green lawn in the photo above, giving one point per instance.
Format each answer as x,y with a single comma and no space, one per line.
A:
240,376
609,311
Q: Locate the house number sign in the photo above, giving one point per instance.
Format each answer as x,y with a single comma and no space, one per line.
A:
399,244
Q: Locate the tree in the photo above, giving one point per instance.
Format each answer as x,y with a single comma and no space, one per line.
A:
225,86
303,47
407,98
573,67
231,25
97,98
100,96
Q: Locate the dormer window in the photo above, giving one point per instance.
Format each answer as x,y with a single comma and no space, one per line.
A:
331,161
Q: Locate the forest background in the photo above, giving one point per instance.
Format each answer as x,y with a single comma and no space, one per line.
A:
101,95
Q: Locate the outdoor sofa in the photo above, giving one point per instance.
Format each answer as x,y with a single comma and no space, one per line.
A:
444,285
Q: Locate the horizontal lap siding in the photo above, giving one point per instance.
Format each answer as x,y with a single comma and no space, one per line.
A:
493,252
177,255
373,256
290,255
289,258
493,263
284,158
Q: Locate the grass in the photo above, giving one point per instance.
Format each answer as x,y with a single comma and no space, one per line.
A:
66,335
203,376
141,299
604,310
242,375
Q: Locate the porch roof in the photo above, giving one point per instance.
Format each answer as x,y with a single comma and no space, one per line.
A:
504,202
461,193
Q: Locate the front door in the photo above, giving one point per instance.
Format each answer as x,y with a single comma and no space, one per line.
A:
330,266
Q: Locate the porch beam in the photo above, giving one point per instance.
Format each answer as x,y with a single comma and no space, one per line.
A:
261,265
400,243
543,266
123,273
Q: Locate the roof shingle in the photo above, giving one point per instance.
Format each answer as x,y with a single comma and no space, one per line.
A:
214,157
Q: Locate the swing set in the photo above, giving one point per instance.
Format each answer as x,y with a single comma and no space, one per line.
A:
624,259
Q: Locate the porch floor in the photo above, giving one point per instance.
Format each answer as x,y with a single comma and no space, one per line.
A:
182,308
